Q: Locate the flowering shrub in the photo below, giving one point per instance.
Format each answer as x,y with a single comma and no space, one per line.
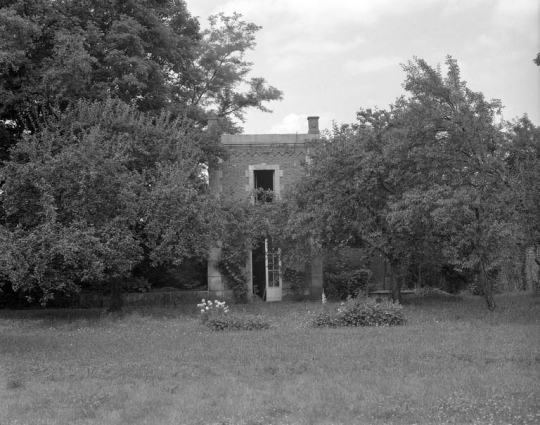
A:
362,312
210,309
216,315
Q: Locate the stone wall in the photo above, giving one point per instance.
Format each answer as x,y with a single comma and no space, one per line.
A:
232,177
139,299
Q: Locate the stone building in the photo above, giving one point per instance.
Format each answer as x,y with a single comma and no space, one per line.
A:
272,162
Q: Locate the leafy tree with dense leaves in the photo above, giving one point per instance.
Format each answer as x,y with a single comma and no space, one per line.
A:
524,167
57,52
347,195
427,177
71,173
94,185
246,224
474,210
147,52
219,73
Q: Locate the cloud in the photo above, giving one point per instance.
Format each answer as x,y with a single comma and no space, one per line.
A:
297,123
308,16
485,41
301,52
325,47
512,12
291,124
373,64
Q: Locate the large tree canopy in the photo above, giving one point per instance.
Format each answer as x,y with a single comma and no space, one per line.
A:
56,52
426,178
524,167
147,52
103,106
95,184
219,73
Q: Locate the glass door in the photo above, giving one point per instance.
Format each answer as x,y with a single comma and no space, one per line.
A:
273,271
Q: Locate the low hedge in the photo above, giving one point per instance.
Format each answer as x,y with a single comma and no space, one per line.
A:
362,312
237,322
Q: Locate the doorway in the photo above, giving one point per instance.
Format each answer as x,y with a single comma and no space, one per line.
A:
265,257
266,271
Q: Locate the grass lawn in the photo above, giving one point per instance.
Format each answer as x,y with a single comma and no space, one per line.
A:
453,362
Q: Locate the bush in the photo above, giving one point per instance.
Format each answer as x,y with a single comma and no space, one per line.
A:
216,315
296,280
136,284
492,277
342,281
237,322
362,312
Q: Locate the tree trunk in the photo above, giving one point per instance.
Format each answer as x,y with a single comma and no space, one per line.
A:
531,269
116,296
485,284
395,281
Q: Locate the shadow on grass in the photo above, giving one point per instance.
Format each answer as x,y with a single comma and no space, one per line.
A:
433,298
516,306
66,315
96,315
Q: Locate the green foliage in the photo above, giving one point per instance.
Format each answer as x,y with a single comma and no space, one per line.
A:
362,312
424,182
191,274
57,52
341,280
524,165
148,53
211,308
235,242
94,186
237,322
216,315
245,224
476,288
297,282
136,284
219,69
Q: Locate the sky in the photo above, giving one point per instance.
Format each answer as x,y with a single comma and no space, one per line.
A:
332,58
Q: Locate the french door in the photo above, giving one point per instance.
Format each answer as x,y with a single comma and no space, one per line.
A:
273,271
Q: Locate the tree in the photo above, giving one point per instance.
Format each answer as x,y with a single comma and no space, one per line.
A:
147,52
219,72
524,167
536,60
56,52
347,195
427,177
150,61
475,209
94,185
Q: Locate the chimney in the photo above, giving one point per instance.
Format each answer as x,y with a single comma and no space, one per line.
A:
213,124
313,125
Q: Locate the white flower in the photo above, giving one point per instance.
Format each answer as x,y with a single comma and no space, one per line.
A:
202,310
203,301
207,308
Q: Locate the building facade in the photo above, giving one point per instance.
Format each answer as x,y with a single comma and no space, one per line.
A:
272,162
